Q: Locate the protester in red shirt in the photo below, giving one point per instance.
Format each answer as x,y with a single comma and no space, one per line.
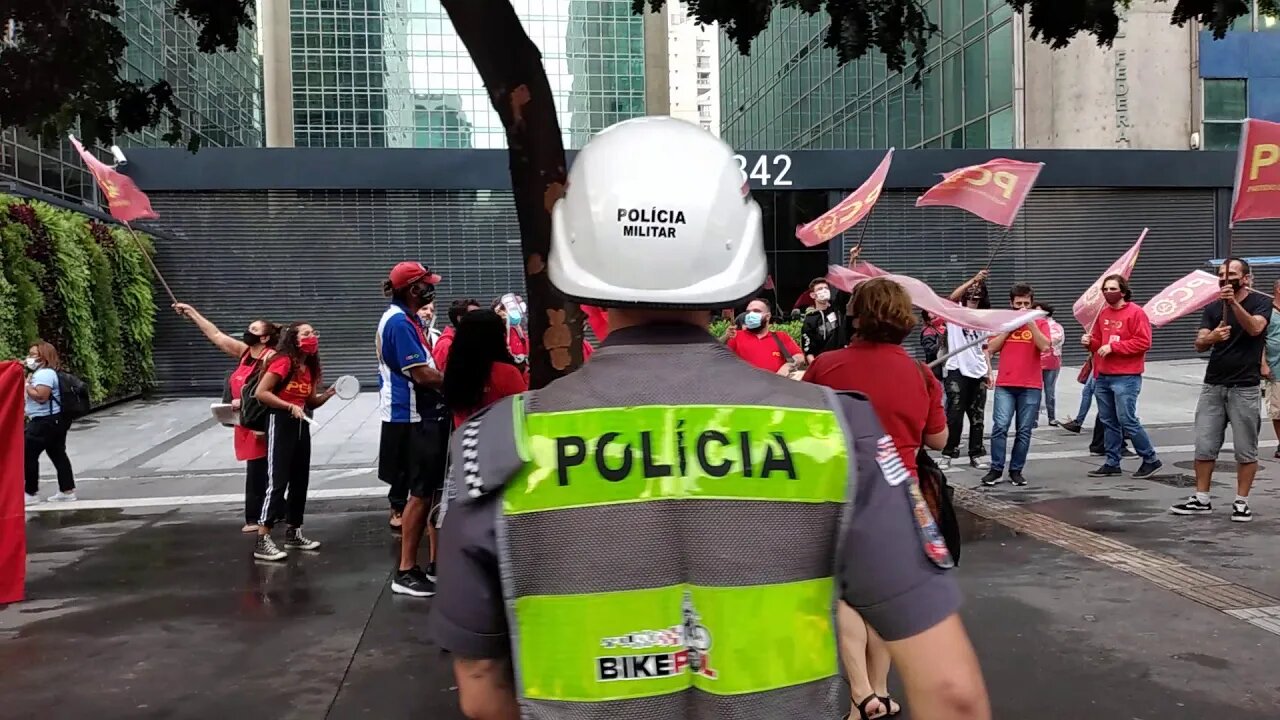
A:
288,388
1119,342
481,370
510,308
908,400
1019,385
250,350
776,352
457,309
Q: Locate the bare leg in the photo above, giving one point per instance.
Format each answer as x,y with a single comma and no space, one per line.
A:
412,523
878,662
853,652
1204,473
1244,477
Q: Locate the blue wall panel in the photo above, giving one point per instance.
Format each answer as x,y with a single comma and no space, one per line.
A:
1251,55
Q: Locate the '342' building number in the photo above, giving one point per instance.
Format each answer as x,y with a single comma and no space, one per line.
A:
767,170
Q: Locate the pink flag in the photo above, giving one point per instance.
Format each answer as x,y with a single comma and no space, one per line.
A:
923,297
1090,303
1182,298
126,201
1257,188
850,211
994,191
868,269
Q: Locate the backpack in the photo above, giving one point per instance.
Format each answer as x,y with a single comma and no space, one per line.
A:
253,414
74,403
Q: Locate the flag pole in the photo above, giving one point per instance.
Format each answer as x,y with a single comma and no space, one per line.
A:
143,249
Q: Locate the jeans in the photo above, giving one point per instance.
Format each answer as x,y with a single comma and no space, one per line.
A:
1086,400
1011,401
1051,392
1118,412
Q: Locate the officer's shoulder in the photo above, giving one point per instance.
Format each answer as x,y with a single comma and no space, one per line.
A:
487,451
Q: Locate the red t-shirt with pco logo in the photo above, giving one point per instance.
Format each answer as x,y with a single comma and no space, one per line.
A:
1020,359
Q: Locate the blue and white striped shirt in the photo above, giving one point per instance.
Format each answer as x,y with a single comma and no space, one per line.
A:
400,348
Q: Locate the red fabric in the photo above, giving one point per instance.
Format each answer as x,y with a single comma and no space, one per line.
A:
517,342
907,401
126,201
1128,331
586,351
850,211
248,444
762,350
504,381
300,387
1086,309
994,190
1257,190
1020,359
598,319
440,351
1051,359
13,520
1189,294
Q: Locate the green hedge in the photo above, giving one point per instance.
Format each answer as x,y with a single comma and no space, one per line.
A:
720,327
81,285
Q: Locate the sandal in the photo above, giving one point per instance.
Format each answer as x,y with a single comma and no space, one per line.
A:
889,703
862,708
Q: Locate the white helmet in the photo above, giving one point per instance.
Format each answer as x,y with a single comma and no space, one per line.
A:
656,214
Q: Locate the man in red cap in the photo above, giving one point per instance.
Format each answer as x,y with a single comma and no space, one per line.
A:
415,422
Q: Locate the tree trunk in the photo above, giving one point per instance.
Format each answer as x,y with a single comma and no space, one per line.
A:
511,67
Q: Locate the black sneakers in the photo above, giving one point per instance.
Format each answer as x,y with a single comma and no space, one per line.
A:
266,549
412,582
1240,512
1107,471
1071,426
293,538
1192,506
1015,477
1147,469
431,572
992,478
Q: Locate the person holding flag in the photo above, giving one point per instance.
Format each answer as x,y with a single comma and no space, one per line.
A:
1118,345
1019,385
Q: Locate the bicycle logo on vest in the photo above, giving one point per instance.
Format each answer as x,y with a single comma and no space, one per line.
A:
692,637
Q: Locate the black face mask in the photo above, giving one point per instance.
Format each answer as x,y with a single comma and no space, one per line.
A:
1235,283
250,339
426,293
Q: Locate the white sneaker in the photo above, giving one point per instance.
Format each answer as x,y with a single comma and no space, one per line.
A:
31,499
63,497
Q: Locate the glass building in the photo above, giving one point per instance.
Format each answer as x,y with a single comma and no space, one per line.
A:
220,96
392,73
790,94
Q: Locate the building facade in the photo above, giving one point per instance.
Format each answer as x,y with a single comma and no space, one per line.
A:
392,73
220,96
988,84
694,65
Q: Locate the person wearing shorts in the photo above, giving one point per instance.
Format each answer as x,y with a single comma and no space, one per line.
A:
1234,332
1270,365
414,442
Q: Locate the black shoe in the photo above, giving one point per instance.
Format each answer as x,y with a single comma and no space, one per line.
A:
431,572
1097,452
1127,453
1192,506
293,538
1107,471
955,453
992,478
1148,469
266,549
1071,426
1053,423
1240,512
412,582
1015,477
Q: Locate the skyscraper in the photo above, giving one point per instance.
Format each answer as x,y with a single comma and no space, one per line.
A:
220,96
694,68
368,73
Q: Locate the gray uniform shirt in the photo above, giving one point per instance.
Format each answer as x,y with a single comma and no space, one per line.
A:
884,572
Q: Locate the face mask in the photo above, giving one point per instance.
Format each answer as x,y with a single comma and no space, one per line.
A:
250,339
31,363
514,318
427,293
309,345
822,295
1235,283
753,320
1113,296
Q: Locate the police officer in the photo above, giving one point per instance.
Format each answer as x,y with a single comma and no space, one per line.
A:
653,536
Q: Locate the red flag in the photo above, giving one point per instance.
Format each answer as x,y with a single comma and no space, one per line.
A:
1182,298
126,201
923,297
13,518
848,212
598,319
994,191
1090,303
1257,190
768,282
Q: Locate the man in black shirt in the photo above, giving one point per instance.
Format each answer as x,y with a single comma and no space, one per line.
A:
1234,331
822,329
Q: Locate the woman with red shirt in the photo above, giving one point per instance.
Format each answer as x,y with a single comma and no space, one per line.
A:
480,371
252,349
288,388
908,400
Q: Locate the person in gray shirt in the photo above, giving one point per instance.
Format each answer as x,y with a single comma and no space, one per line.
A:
652,490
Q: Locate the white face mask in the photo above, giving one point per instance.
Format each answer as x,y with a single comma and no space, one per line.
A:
822,295
31,363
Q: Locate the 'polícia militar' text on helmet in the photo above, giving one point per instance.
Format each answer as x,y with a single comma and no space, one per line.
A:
656,214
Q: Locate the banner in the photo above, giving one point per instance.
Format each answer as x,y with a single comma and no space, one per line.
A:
1182,298
866,268
923,297
126,201
848,212
994,191
1257,191
1090,303
13,516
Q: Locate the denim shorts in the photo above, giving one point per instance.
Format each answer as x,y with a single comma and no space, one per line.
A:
1219,405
